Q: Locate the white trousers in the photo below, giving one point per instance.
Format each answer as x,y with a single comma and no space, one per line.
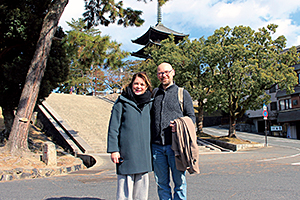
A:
133,187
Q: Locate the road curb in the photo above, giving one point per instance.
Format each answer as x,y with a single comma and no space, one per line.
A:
235,147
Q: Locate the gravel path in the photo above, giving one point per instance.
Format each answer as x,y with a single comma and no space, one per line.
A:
87,115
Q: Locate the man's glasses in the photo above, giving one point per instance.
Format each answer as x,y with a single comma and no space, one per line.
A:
165,72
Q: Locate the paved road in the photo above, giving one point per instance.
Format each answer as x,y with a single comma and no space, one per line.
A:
270,141
272,172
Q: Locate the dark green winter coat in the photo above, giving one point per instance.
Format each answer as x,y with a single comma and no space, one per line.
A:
129,134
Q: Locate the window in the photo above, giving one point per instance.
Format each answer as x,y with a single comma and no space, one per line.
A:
273,105
295,102
285,104
288,104
281,105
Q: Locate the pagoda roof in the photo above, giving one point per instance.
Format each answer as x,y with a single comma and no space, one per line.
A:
158,33
141,53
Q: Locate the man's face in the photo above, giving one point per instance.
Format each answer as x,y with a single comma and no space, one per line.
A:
165,74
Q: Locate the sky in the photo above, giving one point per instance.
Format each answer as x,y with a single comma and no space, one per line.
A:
200,18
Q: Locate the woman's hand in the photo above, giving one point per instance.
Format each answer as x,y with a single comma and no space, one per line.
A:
115,157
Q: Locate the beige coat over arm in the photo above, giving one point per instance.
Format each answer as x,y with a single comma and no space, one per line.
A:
184,145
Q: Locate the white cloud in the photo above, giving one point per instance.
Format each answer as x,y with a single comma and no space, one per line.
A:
228,11
290,31
74,9
253,13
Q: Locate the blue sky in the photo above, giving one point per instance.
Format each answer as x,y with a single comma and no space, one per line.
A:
201,17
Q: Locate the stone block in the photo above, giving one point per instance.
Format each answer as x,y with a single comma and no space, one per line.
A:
49,154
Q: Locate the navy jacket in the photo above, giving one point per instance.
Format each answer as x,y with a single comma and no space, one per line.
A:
129,134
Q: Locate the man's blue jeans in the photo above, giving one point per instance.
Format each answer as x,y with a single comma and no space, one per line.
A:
163,161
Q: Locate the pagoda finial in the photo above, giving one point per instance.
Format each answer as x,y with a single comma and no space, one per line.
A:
159,16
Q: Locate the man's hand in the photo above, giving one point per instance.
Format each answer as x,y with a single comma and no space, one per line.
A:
173,126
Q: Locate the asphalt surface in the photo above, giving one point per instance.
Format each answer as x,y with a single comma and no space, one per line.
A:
272,172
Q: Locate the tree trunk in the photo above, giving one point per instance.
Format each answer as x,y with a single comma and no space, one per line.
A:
8,115
17,142
232,123
200,117
232,119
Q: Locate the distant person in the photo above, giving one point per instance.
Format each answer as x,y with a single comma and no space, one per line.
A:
166,108
129,138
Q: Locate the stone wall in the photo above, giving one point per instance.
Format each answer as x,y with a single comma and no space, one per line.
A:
25,173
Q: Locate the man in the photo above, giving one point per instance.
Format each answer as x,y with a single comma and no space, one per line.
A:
166,108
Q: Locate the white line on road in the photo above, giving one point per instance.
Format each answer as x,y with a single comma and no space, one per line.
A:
279,158
283,157
295,163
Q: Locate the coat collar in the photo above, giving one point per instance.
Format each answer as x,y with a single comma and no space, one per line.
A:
124,99
168,88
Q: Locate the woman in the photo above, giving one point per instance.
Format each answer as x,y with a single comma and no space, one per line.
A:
129,138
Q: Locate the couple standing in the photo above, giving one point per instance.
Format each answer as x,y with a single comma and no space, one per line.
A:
129,136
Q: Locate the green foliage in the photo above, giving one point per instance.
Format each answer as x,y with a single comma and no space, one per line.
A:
20,26
245,63
89,53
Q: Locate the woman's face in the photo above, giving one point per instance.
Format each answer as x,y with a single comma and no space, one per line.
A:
139,86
